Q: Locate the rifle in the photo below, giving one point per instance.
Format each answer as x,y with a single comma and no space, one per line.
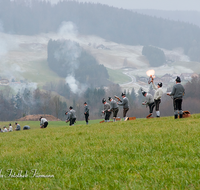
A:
151,78
118,98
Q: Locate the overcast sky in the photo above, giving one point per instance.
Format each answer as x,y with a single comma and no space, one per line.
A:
149,4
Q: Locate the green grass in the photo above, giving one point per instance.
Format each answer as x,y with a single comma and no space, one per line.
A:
118,77
40,72
143,154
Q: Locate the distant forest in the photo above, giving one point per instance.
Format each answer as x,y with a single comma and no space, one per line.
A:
118,25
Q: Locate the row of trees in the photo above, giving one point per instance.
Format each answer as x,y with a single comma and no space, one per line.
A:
155,56
118,25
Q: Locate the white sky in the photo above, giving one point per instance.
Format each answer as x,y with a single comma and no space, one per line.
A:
149,4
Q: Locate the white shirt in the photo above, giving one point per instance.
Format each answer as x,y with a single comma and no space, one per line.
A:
10,128
5,130
158,92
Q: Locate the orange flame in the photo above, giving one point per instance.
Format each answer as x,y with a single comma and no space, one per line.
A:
150,73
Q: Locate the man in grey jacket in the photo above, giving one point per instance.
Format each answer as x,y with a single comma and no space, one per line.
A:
86,112
178,92
72,116
125,104
18,128
149,101
113,108
106,110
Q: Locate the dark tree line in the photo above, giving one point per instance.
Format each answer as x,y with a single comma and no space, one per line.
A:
66,57
118,25
155,56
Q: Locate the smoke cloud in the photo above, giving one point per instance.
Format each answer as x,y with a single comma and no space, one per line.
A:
70,51
67,29
73,84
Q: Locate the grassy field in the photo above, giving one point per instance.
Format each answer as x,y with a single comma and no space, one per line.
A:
117,76
143,154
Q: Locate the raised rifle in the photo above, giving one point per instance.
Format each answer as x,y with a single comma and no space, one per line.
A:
118,98
151,78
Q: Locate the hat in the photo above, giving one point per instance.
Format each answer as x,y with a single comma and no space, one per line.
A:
123,94
160,84
70,107
85,102
103,100
4,127
109,98
143,93
178,79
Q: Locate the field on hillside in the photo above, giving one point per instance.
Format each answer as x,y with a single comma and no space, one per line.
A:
118,77
143,154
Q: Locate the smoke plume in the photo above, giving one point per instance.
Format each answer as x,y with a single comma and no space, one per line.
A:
70,51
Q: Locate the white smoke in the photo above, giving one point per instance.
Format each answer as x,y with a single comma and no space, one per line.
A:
18,86
70,51
73,84
68,29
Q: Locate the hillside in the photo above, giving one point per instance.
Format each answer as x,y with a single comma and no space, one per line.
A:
143,154
191,17
113,24
25,59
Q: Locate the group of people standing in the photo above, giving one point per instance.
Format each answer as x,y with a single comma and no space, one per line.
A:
177,93
113,107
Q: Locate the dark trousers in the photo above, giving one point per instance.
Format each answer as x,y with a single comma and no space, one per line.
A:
151,106
125,110
115,111
72,121
157,103
107,115
177,102
86,117
45,124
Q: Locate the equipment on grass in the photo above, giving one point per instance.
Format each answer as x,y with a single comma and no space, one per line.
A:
131,118
186,114
149,116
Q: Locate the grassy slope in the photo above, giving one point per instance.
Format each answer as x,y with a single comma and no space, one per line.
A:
40,72
142,154
117,76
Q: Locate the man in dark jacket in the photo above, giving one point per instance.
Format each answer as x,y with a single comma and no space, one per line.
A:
86,112
178,92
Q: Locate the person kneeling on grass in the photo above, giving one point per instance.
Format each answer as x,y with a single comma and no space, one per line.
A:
18,128
26,127
43,122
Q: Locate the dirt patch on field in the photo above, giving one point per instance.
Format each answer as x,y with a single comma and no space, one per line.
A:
36,118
